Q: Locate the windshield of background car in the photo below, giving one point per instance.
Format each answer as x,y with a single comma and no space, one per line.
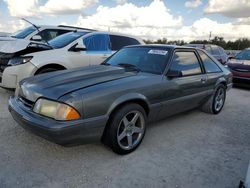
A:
65,39
24,33
244,55
146,59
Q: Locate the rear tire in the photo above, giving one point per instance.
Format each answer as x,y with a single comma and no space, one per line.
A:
126,129
216,102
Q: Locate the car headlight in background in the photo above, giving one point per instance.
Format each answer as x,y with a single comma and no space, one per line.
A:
19,60
55,110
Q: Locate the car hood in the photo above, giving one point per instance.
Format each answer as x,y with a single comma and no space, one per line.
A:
57,84
13,45
239,64
239,61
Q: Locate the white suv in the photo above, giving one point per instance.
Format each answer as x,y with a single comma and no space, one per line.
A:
71,50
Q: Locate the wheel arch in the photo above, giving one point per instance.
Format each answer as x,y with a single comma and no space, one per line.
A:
51,65
130,98
222,81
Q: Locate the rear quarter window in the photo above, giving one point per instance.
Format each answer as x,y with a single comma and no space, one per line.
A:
209,65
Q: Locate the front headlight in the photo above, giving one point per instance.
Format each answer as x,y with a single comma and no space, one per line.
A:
19,60
55,110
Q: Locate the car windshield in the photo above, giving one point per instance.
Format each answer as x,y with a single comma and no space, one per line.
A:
65,39
24,33
144,59
244,55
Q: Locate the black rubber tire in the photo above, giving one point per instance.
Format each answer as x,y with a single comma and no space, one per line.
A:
209,106
46,70
110,137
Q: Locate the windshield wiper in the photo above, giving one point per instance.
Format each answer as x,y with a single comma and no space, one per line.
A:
129,66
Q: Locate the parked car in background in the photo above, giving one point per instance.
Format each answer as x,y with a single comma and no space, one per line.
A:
232,53
41,33
4,34
114,101
240,66
216,51
71,50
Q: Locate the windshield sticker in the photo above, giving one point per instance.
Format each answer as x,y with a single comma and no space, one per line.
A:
158,52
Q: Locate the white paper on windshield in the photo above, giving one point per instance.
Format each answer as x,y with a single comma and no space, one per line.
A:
158,52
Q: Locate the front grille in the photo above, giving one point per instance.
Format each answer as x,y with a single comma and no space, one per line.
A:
29,104
4,59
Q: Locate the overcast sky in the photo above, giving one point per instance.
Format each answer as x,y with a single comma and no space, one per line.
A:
149,19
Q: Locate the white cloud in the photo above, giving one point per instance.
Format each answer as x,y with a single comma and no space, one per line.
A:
34,8
201,28
22,8
11,26
243,21
55,7
193,3
152,20
230,8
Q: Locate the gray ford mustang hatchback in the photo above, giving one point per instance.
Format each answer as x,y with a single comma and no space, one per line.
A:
114,101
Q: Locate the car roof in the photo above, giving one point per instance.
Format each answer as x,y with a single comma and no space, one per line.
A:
201,45
162,46
72,28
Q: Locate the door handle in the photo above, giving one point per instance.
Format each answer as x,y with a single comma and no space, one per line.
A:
203,80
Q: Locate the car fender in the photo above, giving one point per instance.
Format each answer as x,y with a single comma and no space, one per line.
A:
219,81
126,98
54,56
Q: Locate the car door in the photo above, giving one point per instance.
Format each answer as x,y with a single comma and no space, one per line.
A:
97,48
186,89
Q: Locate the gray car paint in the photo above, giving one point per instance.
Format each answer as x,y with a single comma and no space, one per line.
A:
97,90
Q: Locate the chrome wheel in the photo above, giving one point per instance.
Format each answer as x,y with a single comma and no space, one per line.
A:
131,130
219,99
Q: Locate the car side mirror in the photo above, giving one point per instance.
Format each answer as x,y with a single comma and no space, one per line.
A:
79,47
36,38
174,74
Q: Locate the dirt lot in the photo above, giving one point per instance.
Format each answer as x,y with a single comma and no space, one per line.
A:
192,149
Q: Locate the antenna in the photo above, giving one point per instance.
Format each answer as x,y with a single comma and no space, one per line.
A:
37,28
30,23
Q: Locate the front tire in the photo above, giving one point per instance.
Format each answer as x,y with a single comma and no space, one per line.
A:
126,129
216,102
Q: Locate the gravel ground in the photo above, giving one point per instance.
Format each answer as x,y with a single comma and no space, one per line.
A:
192,149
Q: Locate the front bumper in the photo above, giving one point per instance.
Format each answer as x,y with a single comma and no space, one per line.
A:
60,132
12,75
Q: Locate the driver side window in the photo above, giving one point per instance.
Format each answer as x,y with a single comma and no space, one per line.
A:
186,63
98,42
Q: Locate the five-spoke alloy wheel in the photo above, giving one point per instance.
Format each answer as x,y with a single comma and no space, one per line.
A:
131,130
126,128
219,99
